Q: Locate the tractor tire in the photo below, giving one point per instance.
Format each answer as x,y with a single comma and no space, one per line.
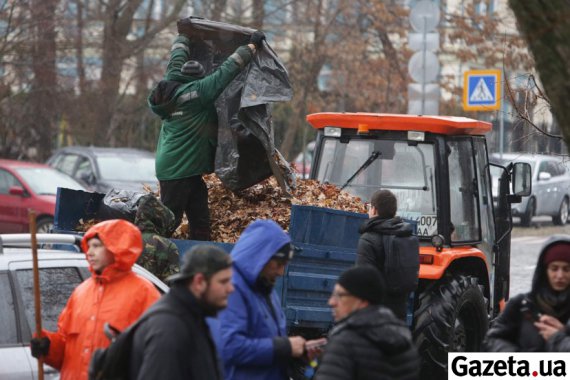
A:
526,218
562,217
451,317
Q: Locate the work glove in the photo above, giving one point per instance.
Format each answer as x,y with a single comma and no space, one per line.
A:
257,39
39,346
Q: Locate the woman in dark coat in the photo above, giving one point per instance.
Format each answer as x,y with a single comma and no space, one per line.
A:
530,320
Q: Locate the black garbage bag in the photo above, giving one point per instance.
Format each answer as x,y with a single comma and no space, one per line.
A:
246,152
119,204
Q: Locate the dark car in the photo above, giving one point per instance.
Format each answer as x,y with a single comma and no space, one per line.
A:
28,185
102,169
60,272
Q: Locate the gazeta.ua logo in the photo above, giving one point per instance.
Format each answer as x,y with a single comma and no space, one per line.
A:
507,365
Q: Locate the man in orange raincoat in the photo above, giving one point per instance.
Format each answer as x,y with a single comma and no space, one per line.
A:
114,294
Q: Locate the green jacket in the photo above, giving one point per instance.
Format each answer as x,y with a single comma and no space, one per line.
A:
156,222
189,133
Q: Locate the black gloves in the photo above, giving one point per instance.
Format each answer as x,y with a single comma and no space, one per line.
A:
39,346
257,39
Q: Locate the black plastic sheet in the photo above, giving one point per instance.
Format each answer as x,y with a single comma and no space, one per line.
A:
246,152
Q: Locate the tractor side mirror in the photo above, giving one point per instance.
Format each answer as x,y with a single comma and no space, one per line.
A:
522,180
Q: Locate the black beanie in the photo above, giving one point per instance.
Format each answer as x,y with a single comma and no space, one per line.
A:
365,283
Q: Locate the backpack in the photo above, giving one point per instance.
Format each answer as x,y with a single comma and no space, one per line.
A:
401,263
113,362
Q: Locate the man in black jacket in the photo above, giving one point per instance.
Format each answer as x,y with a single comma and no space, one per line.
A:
368,341
176,343
387,244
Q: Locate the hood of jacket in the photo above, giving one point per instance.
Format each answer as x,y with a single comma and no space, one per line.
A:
255,247
392,226
122,238
164,96
380,327
154,217
540,278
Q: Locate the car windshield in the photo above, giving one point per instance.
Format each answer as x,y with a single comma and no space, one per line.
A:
403,168
127,168
45,181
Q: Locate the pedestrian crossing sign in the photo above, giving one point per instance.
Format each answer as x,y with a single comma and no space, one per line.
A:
482,90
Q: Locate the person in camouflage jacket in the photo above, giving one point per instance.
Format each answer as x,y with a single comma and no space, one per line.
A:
160,255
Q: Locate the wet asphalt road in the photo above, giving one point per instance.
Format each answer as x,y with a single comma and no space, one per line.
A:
525,247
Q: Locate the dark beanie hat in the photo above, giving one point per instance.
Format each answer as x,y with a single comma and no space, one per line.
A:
365,283
193,68
559,251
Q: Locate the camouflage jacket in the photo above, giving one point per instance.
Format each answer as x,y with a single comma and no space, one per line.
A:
156,222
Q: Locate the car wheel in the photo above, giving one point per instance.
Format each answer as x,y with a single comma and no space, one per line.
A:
451,317
44,225
562,217
526,218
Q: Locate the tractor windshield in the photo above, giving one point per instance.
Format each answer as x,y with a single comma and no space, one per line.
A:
366,165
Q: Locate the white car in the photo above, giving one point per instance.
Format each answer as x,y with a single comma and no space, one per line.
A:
61,270
550,187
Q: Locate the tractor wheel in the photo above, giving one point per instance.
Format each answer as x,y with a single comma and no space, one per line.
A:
526,218
451,317
562,217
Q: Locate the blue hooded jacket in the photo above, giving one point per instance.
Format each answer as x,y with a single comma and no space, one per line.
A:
247,325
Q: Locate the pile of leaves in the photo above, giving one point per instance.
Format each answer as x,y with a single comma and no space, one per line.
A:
231,213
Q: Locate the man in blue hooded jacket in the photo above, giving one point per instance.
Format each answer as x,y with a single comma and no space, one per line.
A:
254,342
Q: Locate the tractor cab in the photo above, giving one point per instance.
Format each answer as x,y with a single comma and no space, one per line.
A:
438,169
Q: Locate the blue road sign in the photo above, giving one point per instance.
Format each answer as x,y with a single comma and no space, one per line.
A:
482,90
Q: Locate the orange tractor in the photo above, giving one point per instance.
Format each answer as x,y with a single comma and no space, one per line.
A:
438,169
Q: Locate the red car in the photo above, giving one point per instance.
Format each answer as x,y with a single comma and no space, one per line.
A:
27,185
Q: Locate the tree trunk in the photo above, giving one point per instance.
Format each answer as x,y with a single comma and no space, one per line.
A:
544,24
44,86
258,14
79,47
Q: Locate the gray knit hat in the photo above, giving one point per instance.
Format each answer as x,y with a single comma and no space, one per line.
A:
193,68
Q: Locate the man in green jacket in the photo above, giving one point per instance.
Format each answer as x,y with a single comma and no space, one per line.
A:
185,101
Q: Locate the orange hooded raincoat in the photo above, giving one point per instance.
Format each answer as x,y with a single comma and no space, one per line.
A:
117,296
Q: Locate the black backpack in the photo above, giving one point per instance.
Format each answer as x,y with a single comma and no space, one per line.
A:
113,362
401,263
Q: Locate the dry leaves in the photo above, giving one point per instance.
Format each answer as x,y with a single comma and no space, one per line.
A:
231,213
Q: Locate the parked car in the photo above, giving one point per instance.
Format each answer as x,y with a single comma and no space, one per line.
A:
550,187
27,185
60,272
101,169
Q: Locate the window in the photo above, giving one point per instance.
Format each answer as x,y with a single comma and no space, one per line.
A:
463,192
85,170
56,285
8,328
7,180
66,163
406,169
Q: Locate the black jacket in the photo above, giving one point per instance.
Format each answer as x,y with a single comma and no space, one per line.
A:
371,252
559,342
514,329
175,346
370,344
